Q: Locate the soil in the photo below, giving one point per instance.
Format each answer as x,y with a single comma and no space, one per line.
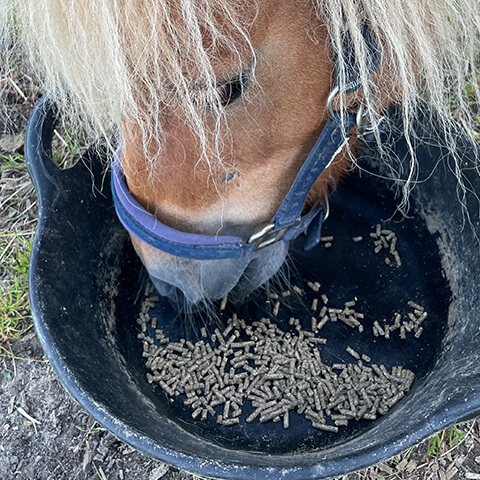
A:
45,435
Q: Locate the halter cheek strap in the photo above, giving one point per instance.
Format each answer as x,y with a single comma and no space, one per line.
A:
287,224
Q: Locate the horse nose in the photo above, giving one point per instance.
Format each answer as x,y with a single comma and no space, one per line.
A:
197,281
192,282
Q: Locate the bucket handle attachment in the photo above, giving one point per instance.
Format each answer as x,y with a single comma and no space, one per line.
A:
45,175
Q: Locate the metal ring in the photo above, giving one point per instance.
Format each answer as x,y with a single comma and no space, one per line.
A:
331,97
327,208
365,122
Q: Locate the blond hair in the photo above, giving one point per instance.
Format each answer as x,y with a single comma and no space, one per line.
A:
106,60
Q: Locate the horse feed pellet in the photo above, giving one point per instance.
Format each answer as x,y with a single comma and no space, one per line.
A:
277,372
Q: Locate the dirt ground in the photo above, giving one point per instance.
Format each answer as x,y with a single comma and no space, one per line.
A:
45,435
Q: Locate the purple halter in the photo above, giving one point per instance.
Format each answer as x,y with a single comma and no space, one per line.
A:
288,223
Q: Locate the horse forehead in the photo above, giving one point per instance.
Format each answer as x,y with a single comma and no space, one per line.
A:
176,180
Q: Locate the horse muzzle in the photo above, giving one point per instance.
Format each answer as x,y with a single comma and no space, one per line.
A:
191,283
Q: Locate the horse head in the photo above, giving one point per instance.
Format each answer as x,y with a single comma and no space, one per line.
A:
273,97
218,103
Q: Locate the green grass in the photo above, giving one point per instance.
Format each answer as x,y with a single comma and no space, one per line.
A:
449,438
14,306
455,437
21,252
435,444
14,310
101,477
14,160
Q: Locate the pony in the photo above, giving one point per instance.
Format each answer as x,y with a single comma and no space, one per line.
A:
214,104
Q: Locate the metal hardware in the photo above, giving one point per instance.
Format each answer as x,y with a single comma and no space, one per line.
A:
267,236
367,120
331,97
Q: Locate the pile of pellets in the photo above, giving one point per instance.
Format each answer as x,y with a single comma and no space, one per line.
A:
413,325
270,373
386,240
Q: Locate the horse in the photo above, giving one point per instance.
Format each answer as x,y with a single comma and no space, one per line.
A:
214,105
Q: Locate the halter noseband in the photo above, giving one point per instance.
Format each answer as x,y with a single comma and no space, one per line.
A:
288,223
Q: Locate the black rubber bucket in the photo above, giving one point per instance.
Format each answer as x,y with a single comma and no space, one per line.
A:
85,292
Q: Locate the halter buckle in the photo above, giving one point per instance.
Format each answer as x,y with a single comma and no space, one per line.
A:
267,236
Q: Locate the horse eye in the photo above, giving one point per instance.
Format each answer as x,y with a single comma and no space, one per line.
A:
232,90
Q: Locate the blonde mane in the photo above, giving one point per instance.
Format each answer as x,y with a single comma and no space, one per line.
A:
106,60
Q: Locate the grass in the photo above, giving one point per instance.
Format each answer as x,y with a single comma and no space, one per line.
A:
95,428
14,160
14,307
21,253
450,438
99,473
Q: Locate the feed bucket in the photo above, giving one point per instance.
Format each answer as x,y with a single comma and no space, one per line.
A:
86,287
